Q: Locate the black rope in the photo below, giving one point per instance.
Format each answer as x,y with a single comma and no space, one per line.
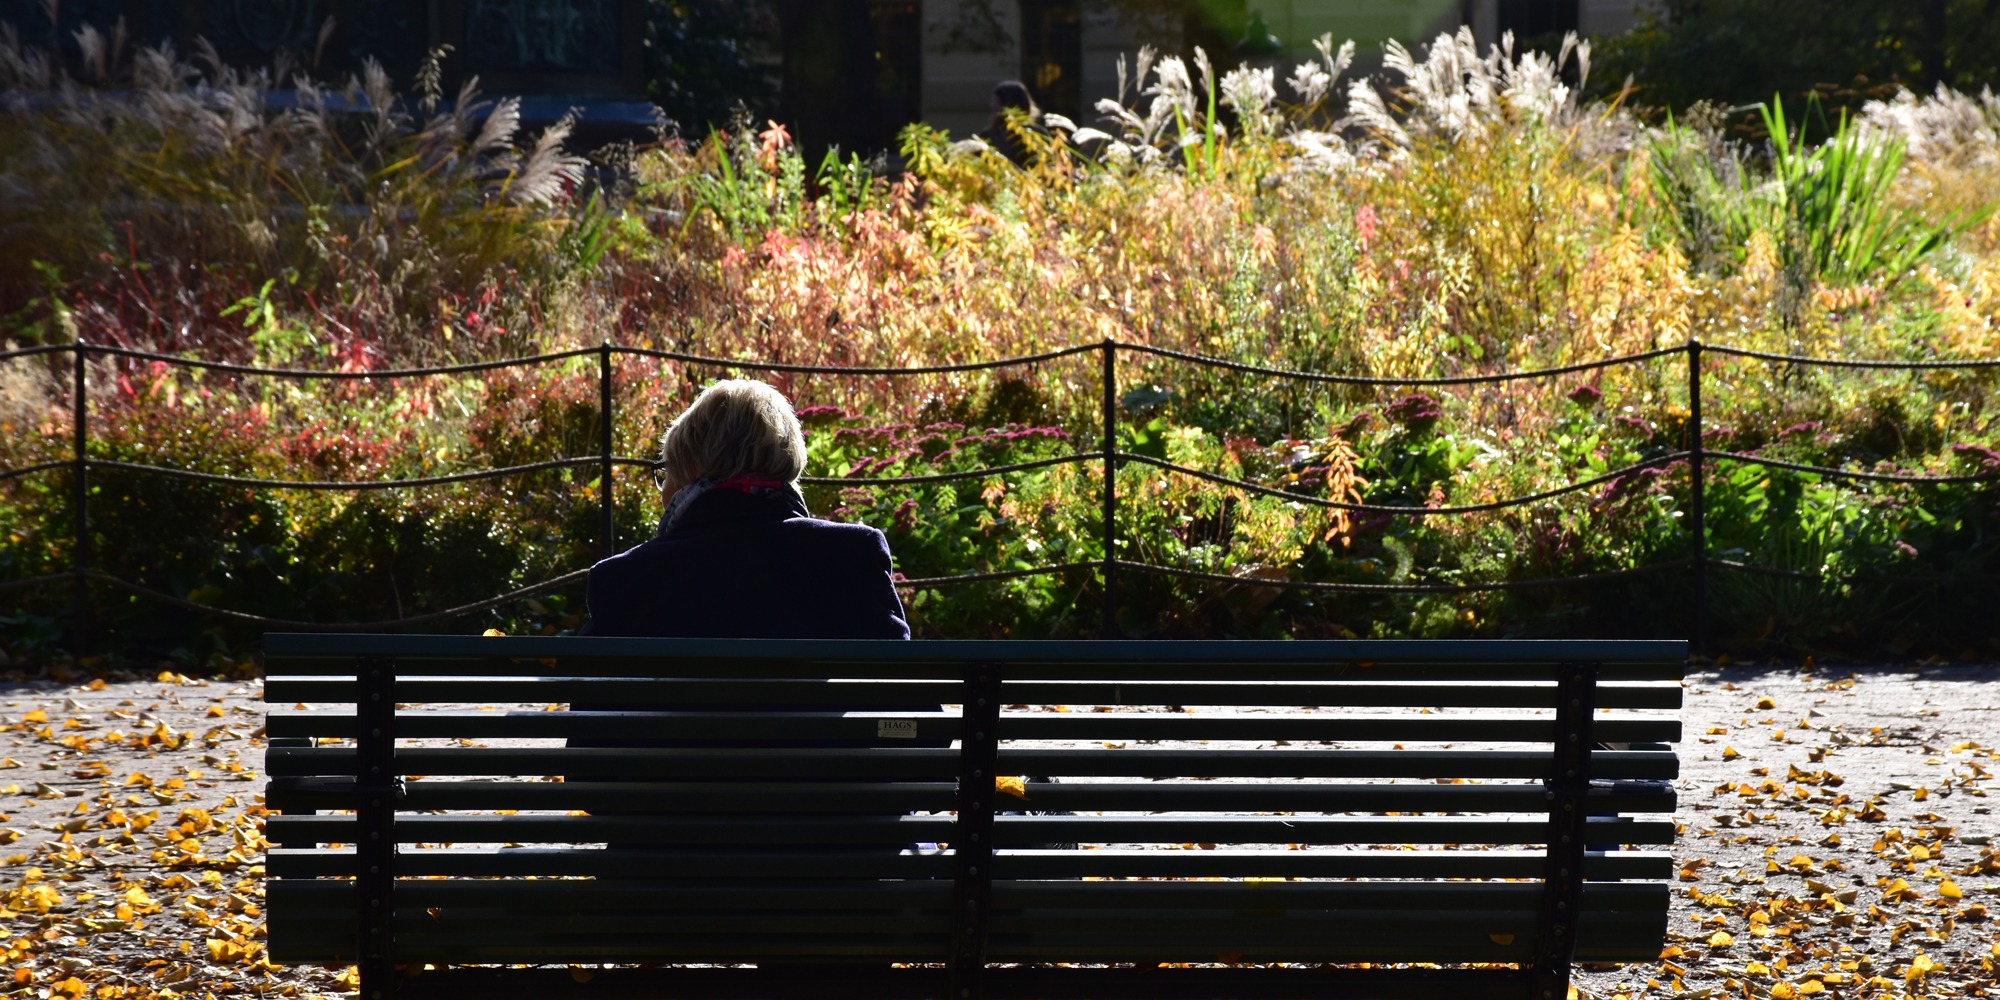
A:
1418,511
234,369
29,470
936,582
1405,588
35,581
1797,359
974,366
886,481
1878,477
364,484
1322,377
773,366
238,616
946,477
1800,574
23,352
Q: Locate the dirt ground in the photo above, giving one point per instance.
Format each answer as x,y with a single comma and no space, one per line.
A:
1837,839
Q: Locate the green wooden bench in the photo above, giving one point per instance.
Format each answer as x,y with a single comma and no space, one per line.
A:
1253,819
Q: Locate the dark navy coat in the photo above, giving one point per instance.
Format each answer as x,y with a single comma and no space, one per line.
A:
746,566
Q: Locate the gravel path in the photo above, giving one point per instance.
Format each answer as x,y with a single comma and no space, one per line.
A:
1837,839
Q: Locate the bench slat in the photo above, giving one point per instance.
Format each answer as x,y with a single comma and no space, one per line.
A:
472,936
937,726
696,796
751,866
1218,667
280,689
1012,982
923,763
1165,921
316,647
1009,831
842,894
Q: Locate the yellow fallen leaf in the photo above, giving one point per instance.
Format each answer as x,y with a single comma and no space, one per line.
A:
492,632
1720,939
1011,785
36,716
1503,940
1920,967
1766,702
1783,991
1950,890
1810,987
1730,753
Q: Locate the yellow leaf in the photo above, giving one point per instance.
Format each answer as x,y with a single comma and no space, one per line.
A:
1920,967
1720,939
1730,753
36,716
1503,940
1783,991
1766,702
492,631
1011,785
1950,890
581,975
1811,986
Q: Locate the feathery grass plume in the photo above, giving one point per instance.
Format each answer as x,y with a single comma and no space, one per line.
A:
1948,127
23,68
1454,92
1173,96
1313,81
1252,93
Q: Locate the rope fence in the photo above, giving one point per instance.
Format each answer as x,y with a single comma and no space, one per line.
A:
1109,458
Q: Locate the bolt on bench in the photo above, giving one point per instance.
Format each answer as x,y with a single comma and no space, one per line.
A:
821,818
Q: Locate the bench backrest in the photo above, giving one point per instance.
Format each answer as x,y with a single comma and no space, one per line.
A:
746,801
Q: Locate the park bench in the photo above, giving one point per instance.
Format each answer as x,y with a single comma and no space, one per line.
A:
1251,819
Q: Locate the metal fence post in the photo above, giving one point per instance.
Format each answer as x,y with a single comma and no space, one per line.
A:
1698,523
80,499
608,528
1110,443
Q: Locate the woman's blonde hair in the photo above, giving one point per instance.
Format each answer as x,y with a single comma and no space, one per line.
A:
735,427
